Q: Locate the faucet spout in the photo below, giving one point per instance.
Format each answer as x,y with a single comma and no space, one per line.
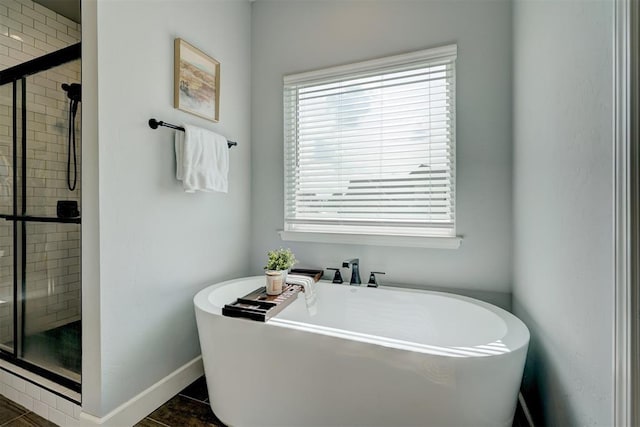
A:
355,270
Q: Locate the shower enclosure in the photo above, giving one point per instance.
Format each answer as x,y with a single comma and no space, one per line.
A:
40,190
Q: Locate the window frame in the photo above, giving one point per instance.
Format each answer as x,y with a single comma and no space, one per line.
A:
435,240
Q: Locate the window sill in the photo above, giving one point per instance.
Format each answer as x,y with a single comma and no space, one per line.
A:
373,239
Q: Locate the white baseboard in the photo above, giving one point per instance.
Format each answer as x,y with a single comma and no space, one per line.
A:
525,410
134,410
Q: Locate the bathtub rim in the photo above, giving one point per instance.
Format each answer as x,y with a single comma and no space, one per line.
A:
517,334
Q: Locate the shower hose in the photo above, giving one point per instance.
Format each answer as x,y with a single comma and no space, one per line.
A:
73,109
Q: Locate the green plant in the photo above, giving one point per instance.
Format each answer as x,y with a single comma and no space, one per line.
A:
280,259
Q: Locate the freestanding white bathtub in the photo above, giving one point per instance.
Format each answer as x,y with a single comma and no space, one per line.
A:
368,357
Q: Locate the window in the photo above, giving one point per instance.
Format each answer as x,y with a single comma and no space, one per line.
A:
370,147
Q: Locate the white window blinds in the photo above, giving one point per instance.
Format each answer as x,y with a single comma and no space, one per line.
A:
370,147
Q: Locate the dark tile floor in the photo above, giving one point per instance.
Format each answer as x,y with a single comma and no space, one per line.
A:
189,408
14,415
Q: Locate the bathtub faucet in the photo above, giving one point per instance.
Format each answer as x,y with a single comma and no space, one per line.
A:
355,270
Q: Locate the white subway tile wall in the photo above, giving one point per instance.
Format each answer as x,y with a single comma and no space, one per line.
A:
29,30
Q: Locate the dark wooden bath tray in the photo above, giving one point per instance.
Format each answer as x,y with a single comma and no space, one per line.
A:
257,305
309,272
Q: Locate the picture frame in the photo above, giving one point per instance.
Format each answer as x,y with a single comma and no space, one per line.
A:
196,81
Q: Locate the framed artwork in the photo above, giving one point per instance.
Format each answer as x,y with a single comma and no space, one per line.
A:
196,81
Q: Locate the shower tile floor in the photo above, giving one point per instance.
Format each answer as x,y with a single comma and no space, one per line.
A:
57,349
189,408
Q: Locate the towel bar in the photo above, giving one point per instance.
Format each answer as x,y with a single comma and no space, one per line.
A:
153,124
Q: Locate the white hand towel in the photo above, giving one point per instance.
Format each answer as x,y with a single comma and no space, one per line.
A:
202,160
308,285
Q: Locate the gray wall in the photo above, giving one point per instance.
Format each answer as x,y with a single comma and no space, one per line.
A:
294,36
563,209
158,246
150,247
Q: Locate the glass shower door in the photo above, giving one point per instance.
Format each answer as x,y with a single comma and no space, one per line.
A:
51,318
40,292
51,337
7,267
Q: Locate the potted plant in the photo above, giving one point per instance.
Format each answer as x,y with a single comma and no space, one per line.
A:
279,262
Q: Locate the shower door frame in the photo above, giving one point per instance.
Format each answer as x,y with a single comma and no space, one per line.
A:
17,75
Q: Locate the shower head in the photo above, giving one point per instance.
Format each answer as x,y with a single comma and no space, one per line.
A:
74,91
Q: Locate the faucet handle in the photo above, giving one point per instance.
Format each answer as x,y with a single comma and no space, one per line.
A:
337,277
373,283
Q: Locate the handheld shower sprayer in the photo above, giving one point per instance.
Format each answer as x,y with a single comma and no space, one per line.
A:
74,93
